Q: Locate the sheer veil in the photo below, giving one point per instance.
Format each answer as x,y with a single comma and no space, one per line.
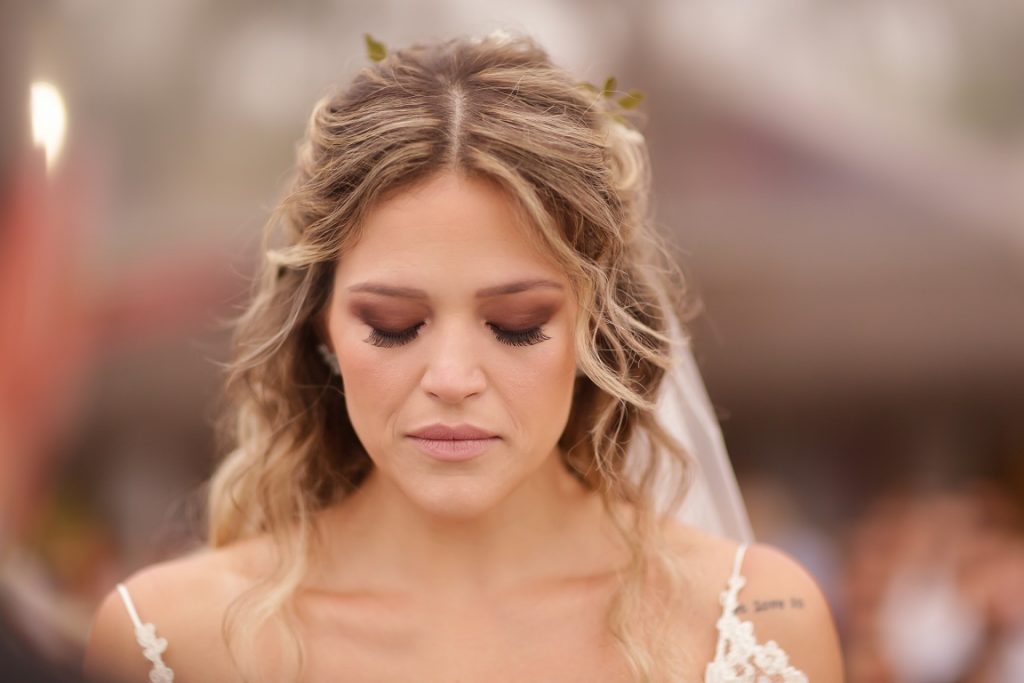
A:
713,502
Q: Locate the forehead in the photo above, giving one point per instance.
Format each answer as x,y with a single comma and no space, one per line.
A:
450,226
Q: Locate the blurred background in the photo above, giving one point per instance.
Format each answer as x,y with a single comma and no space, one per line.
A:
846,180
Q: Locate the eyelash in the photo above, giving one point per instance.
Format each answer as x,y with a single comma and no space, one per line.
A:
527,337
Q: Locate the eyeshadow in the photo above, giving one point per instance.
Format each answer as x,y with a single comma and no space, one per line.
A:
522,310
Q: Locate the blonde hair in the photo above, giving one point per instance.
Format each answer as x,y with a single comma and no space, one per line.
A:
495,108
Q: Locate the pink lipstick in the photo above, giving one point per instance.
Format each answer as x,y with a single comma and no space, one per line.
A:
453,443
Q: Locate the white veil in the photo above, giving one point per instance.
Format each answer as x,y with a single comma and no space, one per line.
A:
684,409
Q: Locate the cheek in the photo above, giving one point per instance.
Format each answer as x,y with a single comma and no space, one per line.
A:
540,389
373,388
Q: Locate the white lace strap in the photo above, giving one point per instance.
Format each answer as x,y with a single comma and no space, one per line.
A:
729,599
739,657
738,561
145,635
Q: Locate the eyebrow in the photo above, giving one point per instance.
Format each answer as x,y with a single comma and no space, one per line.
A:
412,293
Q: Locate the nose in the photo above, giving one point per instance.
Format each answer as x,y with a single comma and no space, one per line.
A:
453,371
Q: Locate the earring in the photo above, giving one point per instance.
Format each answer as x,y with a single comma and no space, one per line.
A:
329,358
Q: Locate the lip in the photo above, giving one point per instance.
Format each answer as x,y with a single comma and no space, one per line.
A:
453,443
460,432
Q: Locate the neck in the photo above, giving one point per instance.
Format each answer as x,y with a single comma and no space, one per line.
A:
550,527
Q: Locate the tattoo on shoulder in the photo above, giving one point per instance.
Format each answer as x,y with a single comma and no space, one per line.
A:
767,605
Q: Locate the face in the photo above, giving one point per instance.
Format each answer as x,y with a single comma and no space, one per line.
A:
444,315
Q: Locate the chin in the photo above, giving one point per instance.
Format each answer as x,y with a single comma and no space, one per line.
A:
454,498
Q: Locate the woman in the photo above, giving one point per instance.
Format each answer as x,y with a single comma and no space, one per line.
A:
460,328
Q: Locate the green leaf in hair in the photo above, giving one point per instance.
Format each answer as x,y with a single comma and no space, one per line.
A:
616,105
631,99
375,49
609,87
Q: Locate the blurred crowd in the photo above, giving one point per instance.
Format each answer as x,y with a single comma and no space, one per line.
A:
934,589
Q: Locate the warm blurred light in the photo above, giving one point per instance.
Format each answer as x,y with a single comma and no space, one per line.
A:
49,120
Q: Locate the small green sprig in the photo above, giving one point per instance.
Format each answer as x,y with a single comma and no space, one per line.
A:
375,49
624,101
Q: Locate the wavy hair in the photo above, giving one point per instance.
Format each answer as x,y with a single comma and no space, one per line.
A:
496,108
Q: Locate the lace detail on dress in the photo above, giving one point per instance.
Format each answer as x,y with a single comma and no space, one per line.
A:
739,658
152,647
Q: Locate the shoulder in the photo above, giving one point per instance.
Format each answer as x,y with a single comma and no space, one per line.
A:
707,559
184,598
785,604
780,597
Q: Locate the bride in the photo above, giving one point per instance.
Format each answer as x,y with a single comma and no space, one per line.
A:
449,454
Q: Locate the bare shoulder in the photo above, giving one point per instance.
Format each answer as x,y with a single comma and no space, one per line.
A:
707,558
780,598
785,604
185,599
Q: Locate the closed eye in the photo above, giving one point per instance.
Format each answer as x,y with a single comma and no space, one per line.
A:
389,339
531,335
